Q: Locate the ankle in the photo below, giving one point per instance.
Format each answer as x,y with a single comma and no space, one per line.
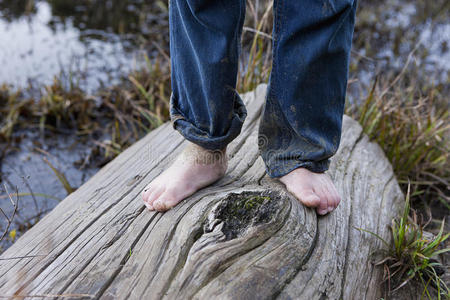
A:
200,155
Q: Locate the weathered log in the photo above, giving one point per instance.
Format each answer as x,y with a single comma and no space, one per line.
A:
244,237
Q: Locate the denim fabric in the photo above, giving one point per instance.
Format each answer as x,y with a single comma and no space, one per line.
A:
302,117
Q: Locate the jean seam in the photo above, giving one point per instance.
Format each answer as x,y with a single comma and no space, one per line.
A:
276,35
342,20
238,33
175,111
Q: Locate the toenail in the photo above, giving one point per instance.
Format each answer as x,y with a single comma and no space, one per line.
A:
157,204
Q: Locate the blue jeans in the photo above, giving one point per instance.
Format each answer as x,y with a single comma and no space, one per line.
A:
302,117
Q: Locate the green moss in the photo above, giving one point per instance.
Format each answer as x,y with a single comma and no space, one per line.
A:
255,201
245,205
239,211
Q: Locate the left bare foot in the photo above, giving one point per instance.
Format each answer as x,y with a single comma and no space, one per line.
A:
194,169
312,189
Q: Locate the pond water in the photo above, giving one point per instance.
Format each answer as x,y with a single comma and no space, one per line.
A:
388,32
100,41
32,50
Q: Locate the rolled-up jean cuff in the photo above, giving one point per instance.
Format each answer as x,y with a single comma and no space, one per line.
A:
275,170
201,137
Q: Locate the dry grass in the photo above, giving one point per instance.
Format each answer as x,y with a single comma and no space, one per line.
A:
119,114
411,123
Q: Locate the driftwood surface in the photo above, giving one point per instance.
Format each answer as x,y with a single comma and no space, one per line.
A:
244,237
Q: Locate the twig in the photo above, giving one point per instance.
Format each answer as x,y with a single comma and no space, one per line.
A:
25,181
15,205
32,194
29,194
403,70
161,50
440,179
257,32
363,56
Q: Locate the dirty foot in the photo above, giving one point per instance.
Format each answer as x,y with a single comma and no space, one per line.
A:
192,170
312,189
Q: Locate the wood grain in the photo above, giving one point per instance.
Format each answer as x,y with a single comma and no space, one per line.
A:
101,242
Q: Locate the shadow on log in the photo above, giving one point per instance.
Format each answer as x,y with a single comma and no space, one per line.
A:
244,237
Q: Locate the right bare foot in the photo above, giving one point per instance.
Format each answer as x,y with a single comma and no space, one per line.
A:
194,168
312,189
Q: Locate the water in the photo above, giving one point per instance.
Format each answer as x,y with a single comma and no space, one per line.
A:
388,32
41,39
26,168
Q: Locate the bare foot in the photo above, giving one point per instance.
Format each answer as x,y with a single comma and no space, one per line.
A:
194,168
312,189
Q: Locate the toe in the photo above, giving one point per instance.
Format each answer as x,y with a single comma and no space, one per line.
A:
308,198
149,207
335,198
322,208
331,200
161,205
154,196
166,201
327,193
146,192
312,200
331,204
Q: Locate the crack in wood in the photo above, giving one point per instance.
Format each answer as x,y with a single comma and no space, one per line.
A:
124,260
24,285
